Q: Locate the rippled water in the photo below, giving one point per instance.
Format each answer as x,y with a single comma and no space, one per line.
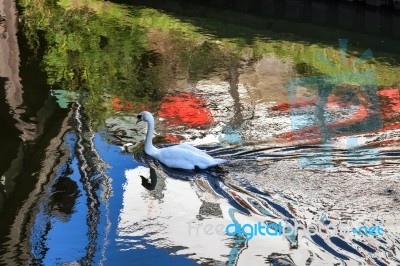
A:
133,206
351,181
73,192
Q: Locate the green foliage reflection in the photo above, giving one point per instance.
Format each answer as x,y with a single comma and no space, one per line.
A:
98,54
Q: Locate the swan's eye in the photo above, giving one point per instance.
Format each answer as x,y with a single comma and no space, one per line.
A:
139,116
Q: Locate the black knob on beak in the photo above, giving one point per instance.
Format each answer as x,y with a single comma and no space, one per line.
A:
139,118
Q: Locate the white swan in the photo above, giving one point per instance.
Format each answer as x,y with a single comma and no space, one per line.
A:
181,156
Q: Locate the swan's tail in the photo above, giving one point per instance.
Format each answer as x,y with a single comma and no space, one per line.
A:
220,161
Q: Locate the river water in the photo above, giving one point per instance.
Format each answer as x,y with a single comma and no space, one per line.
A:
310,129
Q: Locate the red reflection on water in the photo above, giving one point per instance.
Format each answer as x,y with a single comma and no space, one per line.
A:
181,109
309,133
332,101
185,109
299,102
171,138
119,105
388,142
389,101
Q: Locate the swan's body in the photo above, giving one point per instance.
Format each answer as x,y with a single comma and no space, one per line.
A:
181,156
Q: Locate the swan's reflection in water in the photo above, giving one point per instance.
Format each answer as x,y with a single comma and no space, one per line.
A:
187,213
164,211
151,183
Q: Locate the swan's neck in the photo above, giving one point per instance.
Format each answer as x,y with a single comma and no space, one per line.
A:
148,143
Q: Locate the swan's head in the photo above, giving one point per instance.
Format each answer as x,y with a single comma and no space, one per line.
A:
144,116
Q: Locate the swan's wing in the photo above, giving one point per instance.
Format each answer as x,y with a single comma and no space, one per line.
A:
198,151
185,158
190,148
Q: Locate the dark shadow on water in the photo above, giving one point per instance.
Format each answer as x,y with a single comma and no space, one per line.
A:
62,200
225,21
9,140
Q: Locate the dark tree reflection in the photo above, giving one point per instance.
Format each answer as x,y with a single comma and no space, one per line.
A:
63,197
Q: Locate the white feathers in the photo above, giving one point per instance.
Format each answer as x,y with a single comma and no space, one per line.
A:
181,156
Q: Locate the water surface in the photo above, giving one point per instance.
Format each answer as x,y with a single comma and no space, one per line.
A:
310,129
